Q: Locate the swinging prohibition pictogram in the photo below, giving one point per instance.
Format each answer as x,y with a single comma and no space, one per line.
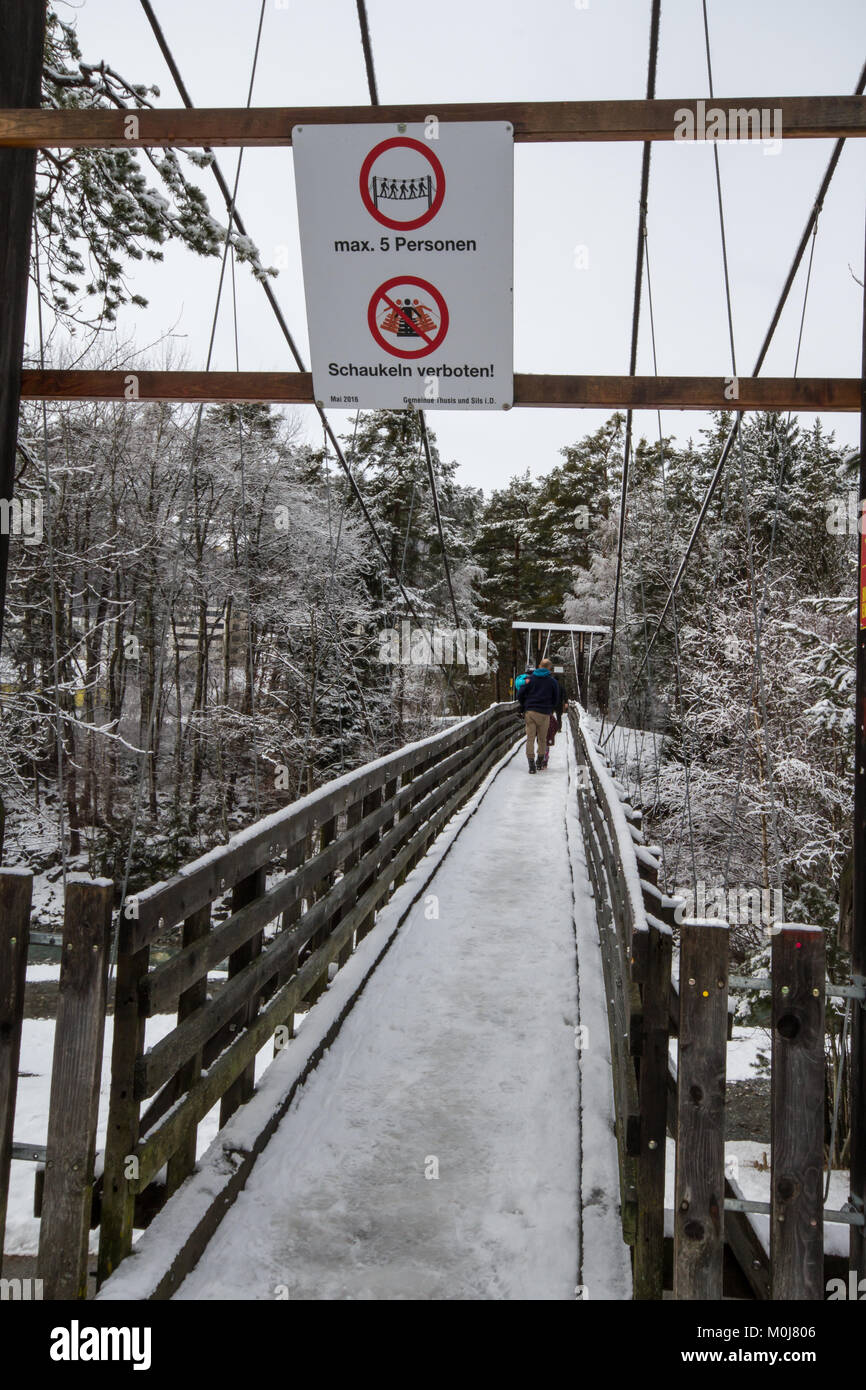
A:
404,322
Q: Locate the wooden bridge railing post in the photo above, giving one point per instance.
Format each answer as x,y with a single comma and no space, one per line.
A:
372,802
699,1204
118,1194
182,1163
246,891
327,835
16,891
295,856
75,1079
797,1114
653,1101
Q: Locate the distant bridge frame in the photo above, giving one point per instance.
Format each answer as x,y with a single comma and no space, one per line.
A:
581,657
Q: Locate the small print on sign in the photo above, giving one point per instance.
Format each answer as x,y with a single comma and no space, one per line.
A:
407,247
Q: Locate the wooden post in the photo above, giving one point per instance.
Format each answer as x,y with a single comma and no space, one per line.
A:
16,888
22,39
797,1114
353,817
75,1078
182,1162
857,1070
327,835
241,1090
371,803
699,1206
652,1094
293,860
118,1197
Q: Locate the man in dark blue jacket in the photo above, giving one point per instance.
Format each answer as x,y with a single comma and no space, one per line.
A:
538,698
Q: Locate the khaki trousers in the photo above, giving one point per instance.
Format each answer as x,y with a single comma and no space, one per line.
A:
536,729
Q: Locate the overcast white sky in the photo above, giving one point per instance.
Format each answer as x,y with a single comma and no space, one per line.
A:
566,319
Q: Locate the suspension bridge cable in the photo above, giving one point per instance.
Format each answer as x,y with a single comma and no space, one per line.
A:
438,513
321,648
248,575
686,746
367,46
234,217
780,479
174,585
726,449
750,559
635,327
437,510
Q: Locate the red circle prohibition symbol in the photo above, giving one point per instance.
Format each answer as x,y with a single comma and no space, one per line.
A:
430,343
364,181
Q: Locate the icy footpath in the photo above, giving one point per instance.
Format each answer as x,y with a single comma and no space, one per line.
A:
435,1152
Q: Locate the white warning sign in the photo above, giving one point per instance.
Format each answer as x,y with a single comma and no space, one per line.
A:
407,249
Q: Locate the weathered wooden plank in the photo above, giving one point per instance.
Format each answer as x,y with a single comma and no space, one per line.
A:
327,838
353,820
118,1196
182,1163
247,891
652,1092
745,1245
368,854
16,889
699,1212
534,390
797,1114
289,919
75,1079
801,117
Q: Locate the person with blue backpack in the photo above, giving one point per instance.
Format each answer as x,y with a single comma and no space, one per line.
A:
522,679
538,698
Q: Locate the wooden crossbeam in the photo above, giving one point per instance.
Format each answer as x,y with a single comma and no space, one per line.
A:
598,392
809,118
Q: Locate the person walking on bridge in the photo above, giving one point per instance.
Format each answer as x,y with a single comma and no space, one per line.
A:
538,698
555,723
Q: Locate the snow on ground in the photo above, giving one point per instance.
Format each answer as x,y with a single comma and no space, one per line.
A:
31,1110
744,1054
748,1164
434,1151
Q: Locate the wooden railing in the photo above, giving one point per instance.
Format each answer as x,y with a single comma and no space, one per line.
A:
637,924
284,903
339,854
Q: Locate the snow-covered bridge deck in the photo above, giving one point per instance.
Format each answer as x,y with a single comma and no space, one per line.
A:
446,1144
